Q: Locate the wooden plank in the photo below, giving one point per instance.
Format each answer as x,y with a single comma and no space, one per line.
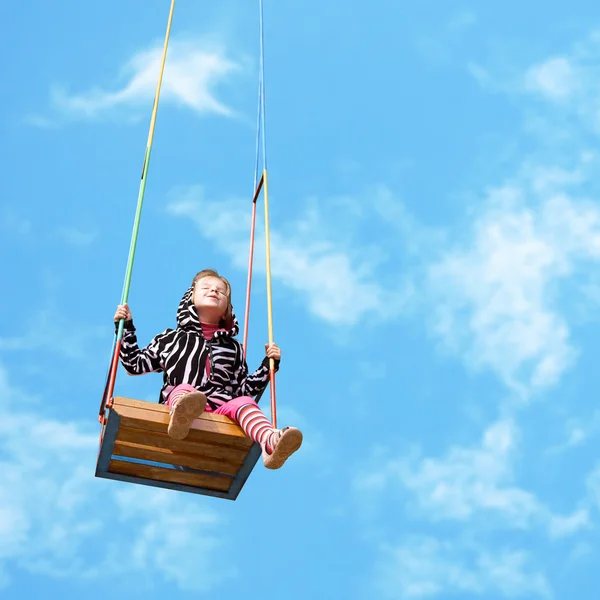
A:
142,404
203,423
209,432
229,454
170,457
198,480
166,485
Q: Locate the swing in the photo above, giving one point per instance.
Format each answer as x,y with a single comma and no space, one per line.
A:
216,458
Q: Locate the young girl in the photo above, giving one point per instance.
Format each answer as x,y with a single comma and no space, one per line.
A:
204,368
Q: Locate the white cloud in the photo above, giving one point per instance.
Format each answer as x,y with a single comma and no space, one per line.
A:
534,234
466,481
567,83
560,526
173,537
45,330
424,567
15,223
77,237
503,300
192,72
577,432
338,282
469,483
481,75
556,79
54,515
39,121
461,21
439,46
497,295
593,485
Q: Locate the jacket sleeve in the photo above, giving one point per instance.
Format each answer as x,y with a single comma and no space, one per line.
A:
253,384
138,361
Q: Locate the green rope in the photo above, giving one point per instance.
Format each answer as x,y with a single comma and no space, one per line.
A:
142,190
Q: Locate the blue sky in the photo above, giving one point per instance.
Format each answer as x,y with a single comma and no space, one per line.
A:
433,179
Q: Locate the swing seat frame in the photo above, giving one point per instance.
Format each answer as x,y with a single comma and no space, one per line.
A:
215,459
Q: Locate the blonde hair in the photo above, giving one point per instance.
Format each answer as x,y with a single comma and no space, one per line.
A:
227,319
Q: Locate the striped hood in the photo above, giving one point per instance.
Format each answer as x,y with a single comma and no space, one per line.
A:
188,320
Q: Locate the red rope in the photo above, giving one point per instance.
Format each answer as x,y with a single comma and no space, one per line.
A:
110,382
250,263
273,402
248,294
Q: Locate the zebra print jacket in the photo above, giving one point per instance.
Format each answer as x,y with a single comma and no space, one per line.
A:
214,367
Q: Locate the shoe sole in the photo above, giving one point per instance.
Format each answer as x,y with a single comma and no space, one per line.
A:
190,407
288,443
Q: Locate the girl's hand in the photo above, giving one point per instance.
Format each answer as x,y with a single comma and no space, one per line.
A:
273,351
123,312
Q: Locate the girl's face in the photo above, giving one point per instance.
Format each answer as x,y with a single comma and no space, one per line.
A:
211,298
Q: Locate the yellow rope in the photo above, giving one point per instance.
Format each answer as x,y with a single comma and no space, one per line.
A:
142,190
160,76
110,384
268,250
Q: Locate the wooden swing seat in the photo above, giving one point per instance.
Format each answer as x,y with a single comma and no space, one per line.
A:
215,459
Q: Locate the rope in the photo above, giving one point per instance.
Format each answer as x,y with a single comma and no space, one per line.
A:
261,136
108,392
142,190
258,129
266,196
262,85
253,221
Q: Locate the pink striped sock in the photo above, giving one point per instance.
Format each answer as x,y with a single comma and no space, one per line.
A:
255,425
177,393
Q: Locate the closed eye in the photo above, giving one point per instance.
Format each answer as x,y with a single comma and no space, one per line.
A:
207,289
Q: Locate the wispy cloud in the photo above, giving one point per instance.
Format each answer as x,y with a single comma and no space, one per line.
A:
593,486
44,329
193,72
12,222
502,293
77,237
556,79
39,121
439,45
564,85
577,432
472,490
501,296
338,282
461,21
424,567
174,538
52,508
498,300
562,526
467,484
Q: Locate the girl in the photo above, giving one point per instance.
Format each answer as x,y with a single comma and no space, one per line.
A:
204,368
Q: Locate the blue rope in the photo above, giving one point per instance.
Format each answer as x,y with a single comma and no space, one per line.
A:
262,86
258,118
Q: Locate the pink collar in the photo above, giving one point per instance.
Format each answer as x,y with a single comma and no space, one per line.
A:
209,329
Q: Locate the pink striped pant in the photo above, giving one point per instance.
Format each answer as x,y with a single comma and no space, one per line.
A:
229,409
